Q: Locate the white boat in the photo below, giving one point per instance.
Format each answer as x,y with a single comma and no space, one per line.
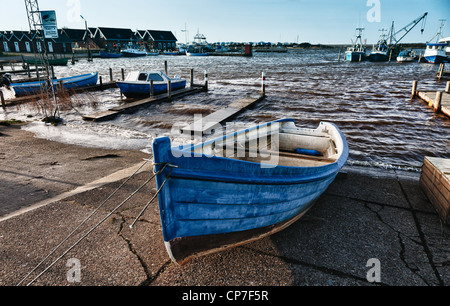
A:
406,56
446,40
436,52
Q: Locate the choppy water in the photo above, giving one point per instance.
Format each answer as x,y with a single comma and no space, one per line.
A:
370,102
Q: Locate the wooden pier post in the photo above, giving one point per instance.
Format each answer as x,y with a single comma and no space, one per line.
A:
169,89
110,74
263,85
447,88
2,98
414,90
151,88
206,80
437,102
165,68
192,78
123,74
101,82
420,57
53,72
28,71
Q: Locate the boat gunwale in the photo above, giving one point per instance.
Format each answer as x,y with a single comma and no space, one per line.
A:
189,149
66,80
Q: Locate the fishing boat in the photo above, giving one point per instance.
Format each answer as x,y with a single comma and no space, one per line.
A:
435,53
357,52
74,82
243,186
380,51
197,53
137,83
104,54
133,53
51,62
406,56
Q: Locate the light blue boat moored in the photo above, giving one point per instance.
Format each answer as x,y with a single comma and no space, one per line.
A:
80,81
209,202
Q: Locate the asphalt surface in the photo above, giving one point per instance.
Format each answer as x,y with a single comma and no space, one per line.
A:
372,227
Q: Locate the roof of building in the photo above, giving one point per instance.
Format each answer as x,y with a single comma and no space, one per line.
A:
116,34
162,35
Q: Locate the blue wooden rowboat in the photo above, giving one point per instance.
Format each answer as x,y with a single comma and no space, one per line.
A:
209,203
137,83
74,82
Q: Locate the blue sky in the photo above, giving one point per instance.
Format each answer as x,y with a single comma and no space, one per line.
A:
314,21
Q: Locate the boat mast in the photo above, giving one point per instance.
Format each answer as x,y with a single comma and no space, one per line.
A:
47,90
439,33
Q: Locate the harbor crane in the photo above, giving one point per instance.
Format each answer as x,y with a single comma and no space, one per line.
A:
407,29
49,104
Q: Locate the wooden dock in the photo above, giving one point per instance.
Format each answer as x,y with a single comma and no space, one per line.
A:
439,101
133,106
208,124
25,99
435,181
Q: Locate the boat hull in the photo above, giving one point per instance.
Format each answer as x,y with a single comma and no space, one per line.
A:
32,88
133,54
210,203
196,54
378,57
142,89
110,55
436,59
355,56
51,62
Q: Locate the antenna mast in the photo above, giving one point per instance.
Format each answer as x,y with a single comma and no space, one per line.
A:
49,105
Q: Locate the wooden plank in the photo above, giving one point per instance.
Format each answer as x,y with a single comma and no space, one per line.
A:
133,106
435,181
102,116
207,124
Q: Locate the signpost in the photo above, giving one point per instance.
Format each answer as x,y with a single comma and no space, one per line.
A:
49,24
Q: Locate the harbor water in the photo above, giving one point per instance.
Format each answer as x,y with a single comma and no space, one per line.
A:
369,102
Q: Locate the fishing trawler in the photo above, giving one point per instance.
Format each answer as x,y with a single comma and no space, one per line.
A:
357,52
380,51
436,52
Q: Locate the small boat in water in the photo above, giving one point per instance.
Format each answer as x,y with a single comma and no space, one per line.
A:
132,51
137,83
243,186
357,52
406,56
75,82
104,54
197,53
51,62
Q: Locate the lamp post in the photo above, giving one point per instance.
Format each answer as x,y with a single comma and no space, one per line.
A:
87,40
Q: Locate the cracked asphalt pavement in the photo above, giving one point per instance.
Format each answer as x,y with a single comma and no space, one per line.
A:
366,214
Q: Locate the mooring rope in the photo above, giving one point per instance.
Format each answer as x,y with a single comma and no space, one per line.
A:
95,227
154,197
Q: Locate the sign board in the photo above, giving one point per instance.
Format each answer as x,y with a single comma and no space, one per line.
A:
49,24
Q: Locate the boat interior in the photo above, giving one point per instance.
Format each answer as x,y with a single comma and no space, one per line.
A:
283,146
